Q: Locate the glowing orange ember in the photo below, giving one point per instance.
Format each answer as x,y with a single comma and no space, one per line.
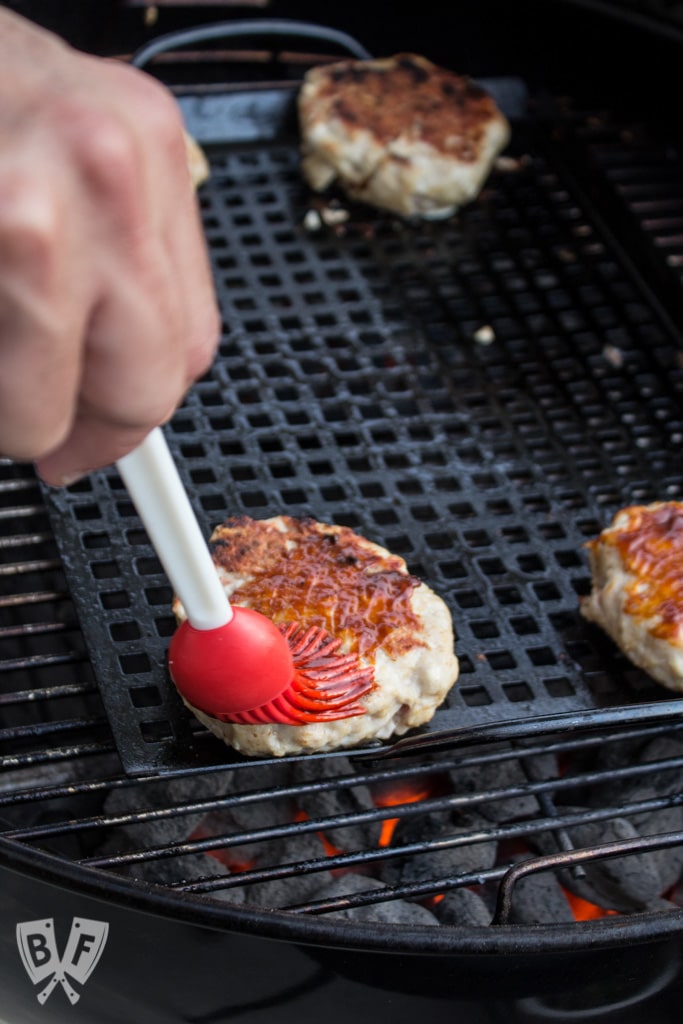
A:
228,857
584,910
330,849
408,791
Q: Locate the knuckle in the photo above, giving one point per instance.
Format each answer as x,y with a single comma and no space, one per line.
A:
159,113
34,437
30,223
106,150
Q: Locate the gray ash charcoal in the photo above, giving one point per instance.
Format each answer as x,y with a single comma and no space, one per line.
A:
219,824
168,870
438,862
280,893
462,907
625,883
267,778
669,861
289,850
658,783
168,794
343,799
389,912
502,774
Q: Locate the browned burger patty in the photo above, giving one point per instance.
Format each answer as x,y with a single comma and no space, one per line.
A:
399,133
637,592
316,574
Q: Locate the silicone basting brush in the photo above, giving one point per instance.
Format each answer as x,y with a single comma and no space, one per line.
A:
234,663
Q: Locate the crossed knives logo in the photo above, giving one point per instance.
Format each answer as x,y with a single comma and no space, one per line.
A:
38,950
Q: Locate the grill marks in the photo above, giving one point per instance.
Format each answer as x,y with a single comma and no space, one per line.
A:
444,110
326,578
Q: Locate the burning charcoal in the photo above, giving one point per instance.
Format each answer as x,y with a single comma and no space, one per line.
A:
168,870
497,775
665,781
280,893
262,813
540,899
337,802
170,794
390,912
296,888
656,784
541,766
616,883
435,861
463,907
669,860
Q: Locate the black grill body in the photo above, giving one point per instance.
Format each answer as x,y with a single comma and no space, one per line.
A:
352,385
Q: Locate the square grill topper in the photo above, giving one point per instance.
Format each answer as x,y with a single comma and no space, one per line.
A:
450,390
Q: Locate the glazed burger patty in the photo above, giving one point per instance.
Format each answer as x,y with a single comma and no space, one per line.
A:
316,574
399,133
637,593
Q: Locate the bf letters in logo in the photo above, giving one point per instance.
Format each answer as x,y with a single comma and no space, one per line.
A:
38,950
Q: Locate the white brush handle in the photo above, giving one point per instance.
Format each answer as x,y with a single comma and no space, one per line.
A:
155,487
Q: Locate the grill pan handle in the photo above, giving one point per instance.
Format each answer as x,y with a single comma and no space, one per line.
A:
235,29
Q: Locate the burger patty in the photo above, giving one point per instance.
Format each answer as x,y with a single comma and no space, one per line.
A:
399,133
317,574
637,587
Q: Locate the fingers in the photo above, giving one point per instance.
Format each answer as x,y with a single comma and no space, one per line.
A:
40,318
107,306
172,210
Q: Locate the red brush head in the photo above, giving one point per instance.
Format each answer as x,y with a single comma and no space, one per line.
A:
235,668
252,672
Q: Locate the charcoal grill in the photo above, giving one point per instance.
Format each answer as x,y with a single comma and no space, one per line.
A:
352,384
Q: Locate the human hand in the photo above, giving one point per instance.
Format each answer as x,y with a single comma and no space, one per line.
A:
107,307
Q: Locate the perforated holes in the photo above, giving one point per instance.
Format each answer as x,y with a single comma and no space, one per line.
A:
155,732
105,570
134,664
148,566
559,687
144,696
491,566
122,631
547,591
517,692
475,696
541,656
531,563
385,516
113,599
85,512
91,541
500,660
484,629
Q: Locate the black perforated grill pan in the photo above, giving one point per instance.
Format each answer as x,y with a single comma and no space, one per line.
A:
479,395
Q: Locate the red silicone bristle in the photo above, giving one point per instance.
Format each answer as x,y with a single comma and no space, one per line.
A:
326,685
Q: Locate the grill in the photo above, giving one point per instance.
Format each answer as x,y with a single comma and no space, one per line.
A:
478,395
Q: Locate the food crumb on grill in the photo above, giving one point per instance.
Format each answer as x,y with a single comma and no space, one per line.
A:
485,335
613,355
